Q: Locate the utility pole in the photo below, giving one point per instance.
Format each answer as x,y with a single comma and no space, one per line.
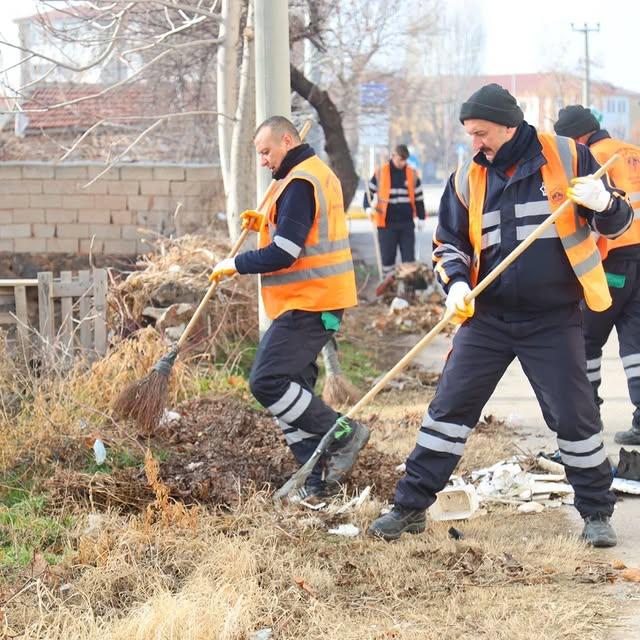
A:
273,82
586,89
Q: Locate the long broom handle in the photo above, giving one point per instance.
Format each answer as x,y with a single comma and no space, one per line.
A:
232,254
374,231
474,293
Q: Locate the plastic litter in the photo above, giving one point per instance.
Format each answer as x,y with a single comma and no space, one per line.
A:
99,451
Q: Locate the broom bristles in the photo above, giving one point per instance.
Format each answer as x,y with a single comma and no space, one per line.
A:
338,390
144,400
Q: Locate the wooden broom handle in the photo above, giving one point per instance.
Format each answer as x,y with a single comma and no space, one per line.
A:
232,254
474,293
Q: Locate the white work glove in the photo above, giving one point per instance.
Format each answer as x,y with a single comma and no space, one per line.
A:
371,212
226,267
419,224
455,302
590,193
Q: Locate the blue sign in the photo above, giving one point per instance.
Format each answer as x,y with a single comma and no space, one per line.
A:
374,95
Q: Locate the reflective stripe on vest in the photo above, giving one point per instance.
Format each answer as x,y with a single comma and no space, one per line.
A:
626,175
322,276
384,192
575,234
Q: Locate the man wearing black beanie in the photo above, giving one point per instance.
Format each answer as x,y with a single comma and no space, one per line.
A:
621,261
516,178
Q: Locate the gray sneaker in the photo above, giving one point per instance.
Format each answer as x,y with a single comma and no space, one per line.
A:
632,436
399,520
343,452
598,531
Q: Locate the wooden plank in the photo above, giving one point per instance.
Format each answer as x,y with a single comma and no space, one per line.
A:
100,306
84,278
45,306
22,315
21,282
65,289
66,315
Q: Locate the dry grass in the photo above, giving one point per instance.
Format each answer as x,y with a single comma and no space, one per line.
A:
512,577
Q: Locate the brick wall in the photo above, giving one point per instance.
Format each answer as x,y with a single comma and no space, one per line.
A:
44,209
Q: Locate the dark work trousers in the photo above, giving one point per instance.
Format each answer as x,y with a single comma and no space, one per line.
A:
624,315
550,348
283,378
393,238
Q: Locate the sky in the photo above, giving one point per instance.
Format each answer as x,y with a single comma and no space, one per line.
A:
521,36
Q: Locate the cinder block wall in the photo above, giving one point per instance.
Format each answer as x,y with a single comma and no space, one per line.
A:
45,209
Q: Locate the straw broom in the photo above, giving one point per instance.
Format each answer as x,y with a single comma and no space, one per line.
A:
144,400
337,388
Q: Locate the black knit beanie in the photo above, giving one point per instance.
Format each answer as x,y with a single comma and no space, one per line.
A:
574,121
492,103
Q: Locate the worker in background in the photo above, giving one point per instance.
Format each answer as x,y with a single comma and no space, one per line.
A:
516,178
307,282
621,261
396,209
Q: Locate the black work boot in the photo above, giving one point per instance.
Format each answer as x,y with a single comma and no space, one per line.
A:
632,436
598,531
399,520
343,452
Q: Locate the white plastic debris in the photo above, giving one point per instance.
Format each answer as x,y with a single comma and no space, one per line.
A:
262,634
401,468
398,304
192,466
169,417
348,530
626,486
530,507
174,268
99,451
457,502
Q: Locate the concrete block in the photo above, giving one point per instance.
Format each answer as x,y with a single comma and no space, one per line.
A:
62,245
30,245
18,187
121,247
37,171
6,245
71,171
202,174
105,231
81,202
72,230
154,187
138,203
44,230
130,232
168,173
65,216
93,245
96,216
110,202
101,187
136,173
124,187
122,217
151,219
15,231
94,170
6,217
28,215
10,173
46,201
162,203
16,202
185,188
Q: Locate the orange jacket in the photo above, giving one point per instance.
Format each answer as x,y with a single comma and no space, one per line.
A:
574,231
383,178
626,175
322,277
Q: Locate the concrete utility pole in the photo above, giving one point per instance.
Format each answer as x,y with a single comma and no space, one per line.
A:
586,89
273,82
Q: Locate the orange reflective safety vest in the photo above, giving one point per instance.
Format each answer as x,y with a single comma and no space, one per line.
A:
574,231
625,174
383,178
322,277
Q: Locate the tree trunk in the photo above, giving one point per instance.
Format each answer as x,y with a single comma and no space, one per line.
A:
331,122
242,161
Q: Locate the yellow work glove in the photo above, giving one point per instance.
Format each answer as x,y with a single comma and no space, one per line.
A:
252,220
455,302
590,193
226,267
